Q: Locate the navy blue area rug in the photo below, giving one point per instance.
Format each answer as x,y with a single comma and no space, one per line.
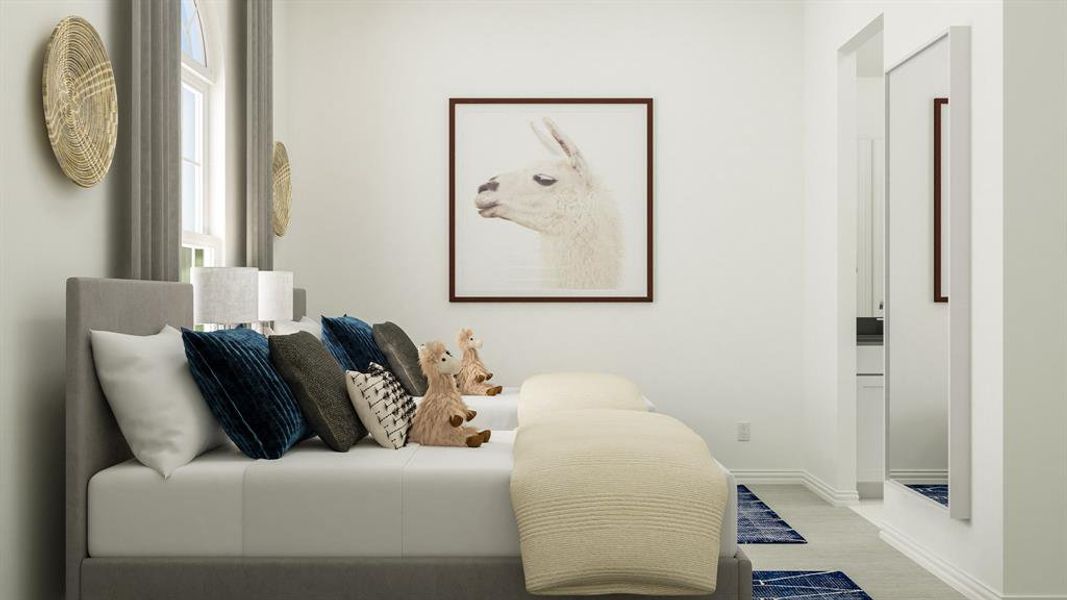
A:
936,492
758,524
809,585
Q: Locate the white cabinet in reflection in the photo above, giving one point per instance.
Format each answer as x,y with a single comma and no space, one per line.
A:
870,421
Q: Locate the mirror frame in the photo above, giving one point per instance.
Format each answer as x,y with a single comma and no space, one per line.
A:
959,198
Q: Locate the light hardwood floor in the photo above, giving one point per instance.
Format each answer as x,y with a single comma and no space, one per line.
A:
841,540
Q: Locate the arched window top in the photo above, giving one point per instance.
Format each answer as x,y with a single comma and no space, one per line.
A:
193,48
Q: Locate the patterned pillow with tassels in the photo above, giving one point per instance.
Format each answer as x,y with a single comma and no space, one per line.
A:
382,403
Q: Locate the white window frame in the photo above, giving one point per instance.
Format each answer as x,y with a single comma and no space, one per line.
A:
204,80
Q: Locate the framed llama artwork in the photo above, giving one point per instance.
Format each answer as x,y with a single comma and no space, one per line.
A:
550,199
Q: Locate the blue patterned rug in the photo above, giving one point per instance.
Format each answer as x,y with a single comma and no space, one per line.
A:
936,492
758,524
809,585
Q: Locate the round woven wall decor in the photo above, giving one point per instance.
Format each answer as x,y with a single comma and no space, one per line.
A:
80,101
282,187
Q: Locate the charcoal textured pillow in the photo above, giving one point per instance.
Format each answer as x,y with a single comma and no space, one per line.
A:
351,342
318,383
402,355
253,404
382,404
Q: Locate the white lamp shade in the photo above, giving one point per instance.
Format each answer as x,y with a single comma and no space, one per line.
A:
275,295
225,295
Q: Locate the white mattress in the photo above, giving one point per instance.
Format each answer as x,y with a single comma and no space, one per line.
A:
502,411
369,501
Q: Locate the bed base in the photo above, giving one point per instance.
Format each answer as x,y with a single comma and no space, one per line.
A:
478,578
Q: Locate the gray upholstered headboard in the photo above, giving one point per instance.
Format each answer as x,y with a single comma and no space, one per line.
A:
300,303
94,441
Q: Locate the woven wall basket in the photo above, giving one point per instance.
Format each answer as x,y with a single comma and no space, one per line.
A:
80,101
282,190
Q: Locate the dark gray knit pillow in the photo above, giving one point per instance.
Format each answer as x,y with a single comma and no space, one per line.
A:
402,355
318,383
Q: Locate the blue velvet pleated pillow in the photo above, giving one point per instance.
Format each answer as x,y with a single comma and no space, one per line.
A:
351,342
251,401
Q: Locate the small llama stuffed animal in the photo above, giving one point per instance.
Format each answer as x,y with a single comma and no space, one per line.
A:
473,375
439,419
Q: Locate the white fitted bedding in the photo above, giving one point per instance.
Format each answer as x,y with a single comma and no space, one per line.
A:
501,412
367,502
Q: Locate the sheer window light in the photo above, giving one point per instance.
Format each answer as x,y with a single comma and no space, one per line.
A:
202,212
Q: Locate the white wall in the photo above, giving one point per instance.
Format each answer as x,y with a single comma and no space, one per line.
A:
1035,285
969,546
870,107
368,138
50,229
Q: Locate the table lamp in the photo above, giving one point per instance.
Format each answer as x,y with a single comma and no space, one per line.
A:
275,296
225,296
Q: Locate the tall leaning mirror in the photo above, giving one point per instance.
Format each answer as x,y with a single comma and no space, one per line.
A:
927,287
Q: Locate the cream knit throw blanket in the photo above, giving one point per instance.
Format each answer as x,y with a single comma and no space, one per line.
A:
616,501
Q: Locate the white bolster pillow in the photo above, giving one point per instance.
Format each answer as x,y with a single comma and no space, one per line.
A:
557,392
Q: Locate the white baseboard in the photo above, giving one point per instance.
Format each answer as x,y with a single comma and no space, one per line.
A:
919,476
769,476
956,578
817,486
831,494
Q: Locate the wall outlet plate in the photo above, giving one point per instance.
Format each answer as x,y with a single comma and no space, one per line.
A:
744,431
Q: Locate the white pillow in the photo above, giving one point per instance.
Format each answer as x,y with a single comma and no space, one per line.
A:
304,324
156,402
553,392
382,403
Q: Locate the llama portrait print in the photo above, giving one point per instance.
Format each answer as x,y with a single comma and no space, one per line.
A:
551,200
573,212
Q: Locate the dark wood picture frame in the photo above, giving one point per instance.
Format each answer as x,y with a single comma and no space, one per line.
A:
939,295
452,295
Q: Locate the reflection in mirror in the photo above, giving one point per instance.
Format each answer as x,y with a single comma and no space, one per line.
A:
870,177
917,323
861,80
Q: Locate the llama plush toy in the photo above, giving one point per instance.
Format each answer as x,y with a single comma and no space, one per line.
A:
439,418
473,375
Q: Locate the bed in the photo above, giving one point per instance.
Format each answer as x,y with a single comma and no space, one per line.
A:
370,523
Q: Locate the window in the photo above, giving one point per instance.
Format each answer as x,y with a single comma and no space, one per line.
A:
192,34
202,217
